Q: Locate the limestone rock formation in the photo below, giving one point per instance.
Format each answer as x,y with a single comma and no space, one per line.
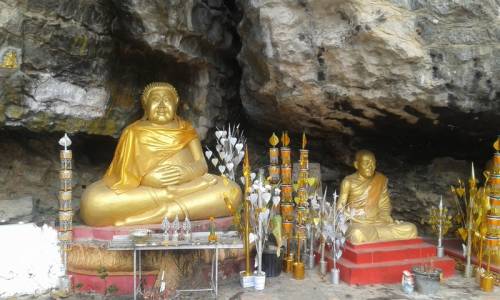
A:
81,65
59,79
192,44
343,66
416,81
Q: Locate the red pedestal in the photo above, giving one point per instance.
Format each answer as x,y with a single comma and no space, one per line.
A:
384,262
124,284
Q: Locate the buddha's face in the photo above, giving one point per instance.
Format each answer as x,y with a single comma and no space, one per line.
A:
366,164
161,106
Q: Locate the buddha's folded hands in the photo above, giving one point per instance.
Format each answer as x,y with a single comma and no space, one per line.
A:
164,176
169,175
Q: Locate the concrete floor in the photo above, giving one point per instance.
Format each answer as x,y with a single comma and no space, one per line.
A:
316,288
313,287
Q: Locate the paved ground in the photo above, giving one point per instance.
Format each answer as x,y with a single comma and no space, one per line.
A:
315,288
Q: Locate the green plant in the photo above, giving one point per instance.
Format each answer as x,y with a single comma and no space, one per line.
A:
79,286
110,290
102,272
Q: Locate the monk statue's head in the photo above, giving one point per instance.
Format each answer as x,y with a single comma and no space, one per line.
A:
159,101
365,163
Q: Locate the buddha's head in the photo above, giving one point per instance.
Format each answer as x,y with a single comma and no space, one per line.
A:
365,163
159,101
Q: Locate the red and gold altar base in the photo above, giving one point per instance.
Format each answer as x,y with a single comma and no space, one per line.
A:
89,260
384,262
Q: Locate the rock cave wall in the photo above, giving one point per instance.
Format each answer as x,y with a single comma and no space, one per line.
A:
416,81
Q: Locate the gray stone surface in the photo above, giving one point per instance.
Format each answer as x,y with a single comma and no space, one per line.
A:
345,66
314,287
82,64
30,168
192,44
63,51
16,209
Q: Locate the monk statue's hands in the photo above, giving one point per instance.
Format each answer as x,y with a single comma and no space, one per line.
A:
165,175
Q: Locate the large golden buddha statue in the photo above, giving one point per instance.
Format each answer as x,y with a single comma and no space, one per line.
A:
365,192
158,170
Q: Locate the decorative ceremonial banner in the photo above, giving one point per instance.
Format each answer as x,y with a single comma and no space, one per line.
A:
286,159
304,159
286,193
286,174
66,158
65,200
274,174
274,156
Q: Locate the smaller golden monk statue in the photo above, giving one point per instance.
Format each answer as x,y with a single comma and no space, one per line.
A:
365,192
158,170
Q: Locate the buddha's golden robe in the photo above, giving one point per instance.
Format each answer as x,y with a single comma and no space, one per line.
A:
121,198
371,198
141,148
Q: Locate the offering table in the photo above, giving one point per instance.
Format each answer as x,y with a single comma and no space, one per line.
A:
199,241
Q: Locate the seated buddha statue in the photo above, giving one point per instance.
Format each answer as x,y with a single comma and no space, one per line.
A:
158,170
365,193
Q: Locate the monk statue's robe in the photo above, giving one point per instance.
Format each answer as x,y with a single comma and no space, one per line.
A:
370,199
